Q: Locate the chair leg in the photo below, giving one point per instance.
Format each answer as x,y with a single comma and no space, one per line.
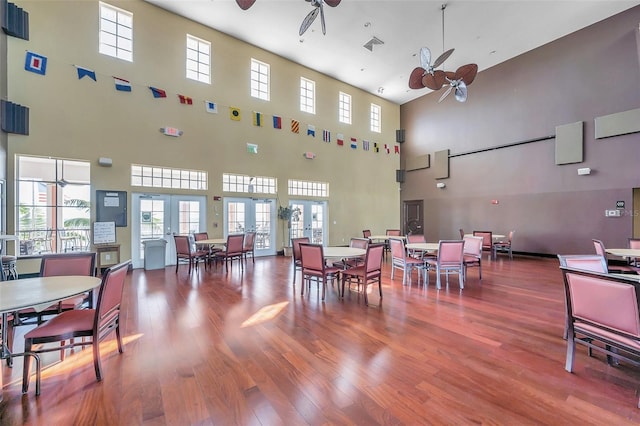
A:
571,350
96,358
26,367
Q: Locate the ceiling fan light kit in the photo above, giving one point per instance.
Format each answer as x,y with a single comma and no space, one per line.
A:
426,75
318,9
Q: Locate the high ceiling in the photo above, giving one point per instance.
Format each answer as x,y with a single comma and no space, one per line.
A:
482,32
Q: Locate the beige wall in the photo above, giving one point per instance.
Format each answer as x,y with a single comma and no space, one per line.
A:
80,119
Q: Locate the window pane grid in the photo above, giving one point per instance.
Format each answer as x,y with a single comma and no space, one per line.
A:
165,177
116,32
249,184
307,96
375,118
198,59
308,188
260,80
344,108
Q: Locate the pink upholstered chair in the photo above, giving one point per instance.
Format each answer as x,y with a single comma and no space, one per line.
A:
93,325
401,260
369,272
233,251
248,246
504,246
450,259
315,268
361,243
487,240
416,238
634,243
297,258
186,249
472,254
621,269
603,315
199,236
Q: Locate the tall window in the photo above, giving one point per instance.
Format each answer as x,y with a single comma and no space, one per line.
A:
116,32
198,59
307,95
375,118
53,207
344,108
259,80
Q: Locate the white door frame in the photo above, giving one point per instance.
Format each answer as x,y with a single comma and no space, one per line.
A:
262,247
307,220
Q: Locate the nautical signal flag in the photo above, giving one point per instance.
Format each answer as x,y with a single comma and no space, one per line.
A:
311,131
277,122
365,145
234,113
326,136
386,148
376,148
186,100
340,139
354,143
122,85
35,63
85,72
257,119
158,93
396,149
295,126
211,107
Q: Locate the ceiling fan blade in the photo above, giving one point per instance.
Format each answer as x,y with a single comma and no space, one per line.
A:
445,94
332,3
415,79
425,57
308,20
245,4
467,73
461,92
324,28
442,58
450,75
434,81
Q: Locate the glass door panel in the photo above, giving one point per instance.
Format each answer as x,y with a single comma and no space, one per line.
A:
252,215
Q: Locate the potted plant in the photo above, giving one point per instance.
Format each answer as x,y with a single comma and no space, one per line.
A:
286,214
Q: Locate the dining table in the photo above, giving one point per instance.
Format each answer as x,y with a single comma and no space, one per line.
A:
495,237
212,242
342,252
386,237
38,293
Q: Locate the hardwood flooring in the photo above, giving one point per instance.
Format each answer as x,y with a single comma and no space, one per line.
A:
244,348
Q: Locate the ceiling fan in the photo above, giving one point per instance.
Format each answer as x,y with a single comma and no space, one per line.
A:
426,74
311,16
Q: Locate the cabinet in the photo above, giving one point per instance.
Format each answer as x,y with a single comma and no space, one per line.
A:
107,255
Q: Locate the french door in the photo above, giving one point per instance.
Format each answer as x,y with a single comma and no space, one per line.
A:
252,214
309,220
155,216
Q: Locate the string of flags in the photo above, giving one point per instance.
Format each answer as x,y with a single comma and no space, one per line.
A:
37,63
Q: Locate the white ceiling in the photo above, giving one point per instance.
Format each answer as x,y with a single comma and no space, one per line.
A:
482,32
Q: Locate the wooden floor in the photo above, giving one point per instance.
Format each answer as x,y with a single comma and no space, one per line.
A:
244,348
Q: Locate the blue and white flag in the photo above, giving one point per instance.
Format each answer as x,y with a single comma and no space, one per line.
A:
211,107
311,131
85,72
36,63
326,136
122,85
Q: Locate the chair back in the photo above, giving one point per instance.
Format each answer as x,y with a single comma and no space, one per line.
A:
397,248
473,246
249,240
312,257
461,232
634,243
182,244
295,244
235,243
510,236
393,232
450,252
586,262
54,265
373,259
198,236
362,243
603,302
599,246
487,238
366,233
110,295
416,238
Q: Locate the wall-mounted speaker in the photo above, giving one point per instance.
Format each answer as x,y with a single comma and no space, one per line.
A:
14,118
400,175
400,135
15,21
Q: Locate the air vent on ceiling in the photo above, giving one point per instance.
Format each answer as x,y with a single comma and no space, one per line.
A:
375,41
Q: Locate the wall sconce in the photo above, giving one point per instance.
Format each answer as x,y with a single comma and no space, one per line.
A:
584,171
441,185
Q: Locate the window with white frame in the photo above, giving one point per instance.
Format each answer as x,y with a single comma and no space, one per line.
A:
375,118
344,108
53,205
308,188
165,177
249,184
198,59
307,95
260,80
116,32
